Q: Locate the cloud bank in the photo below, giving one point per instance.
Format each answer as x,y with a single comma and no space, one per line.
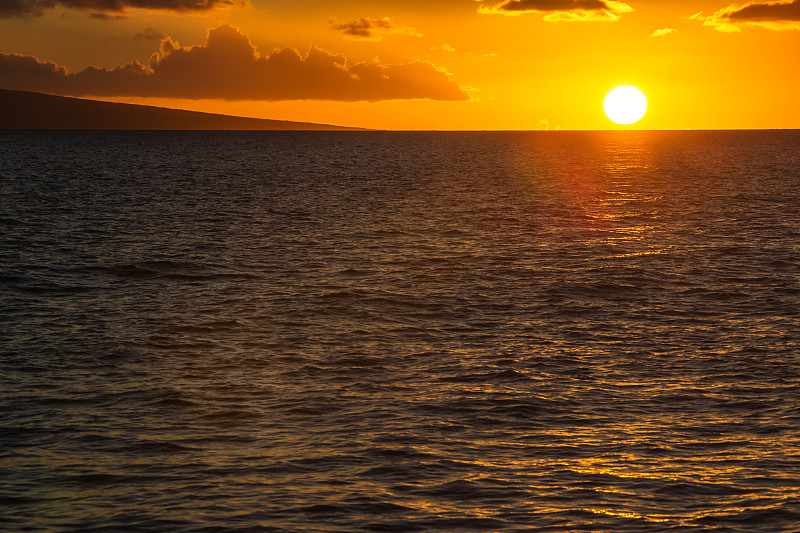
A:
372,29
561,10
103,8
229,67
772,15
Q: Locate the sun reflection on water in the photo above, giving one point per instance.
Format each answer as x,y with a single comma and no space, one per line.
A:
625,206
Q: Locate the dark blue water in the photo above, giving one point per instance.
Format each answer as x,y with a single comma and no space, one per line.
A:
556,331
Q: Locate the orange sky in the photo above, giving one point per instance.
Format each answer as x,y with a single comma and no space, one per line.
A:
409,64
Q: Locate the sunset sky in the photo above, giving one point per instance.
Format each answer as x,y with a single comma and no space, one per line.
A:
413,64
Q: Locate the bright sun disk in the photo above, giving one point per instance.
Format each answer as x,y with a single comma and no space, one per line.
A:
625,104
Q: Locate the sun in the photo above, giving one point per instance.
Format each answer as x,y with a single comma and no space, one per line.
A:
625,104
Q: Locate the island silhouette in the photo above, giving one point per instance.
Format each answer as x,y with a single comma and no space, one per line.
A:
30,110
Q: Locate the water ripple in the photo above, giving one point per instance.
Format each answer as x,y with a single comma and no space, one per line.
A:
561,331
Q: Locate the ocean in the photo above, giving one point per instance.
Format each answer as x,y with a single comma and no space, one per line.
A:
400,331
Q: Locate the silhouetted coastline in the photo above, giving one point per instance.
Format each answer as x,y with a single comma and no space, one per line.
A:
28,110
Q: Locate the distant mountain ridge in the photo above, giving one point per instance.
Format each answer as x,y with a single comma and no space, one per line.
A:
28,110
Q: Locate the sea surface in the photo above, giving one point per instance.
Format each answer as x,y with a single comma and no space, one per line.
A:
400,331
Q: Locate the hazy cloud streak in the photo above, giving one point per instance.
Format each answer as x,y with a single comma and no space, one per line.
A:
149,34
663,31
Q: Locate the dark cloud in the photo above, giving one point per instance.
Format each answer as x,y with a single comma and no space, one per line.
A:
776,16
35,8
560,10
372,29
24,8
552,5
229,67
365,27
149,34
768,12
